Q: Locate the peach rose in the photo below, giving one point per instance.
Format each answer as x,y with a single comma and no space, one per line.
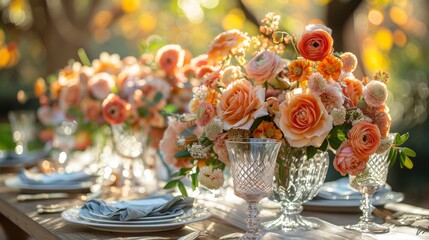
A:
315,44
364,138
352,89
101,85
170,58
240,104
115,109
91,109
205,113
226,43
303,119
264,67
346,162
70,95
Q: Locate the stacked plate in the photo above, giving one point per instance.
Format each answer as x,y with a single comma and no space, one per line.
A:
38,182
10,159
338,196
179,219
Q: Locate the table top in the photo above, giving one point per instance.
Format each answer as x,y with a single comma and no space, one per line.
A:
22,216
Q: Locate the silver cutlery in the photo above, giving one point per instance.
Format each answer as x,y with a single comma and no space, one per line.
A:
41,196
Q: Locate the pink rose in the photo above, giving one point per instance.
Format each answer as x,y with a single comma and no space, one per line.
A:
346,162
220,149
304,120
240,104
264,67
101,85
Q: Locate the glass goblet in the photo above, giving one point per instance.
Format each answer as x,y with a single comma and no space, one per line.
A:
64,140
368,182
22,123
129,144
253,162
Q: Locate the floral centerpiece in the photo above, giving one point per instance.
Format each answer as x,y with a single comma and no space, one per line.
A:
275,86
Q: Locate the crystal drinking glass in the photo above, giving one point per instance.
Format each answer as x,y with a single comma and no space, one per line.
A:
252,168
22,123
129,144
368,182
64,141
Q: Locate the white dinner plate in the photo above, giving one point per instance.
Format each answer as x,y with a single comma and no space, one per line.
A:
13,160
195,214
88,215
351,205
77,186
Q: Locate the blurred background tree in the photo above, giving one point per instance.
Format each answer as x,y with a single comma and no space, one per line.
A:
39,37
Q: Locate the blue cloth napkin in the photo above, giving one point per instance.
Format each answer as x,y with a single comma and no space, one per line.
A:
28,177
341,190
135,209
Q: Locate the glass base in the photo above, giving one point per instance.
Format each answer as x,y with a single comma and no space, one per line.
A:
369,227
241,236
290,223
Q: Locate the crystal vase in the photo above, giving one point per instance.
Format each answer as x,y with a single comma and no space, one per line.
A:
298,180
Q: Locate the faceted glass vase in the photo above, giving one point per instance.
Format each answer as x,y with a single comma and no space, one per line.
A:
298,180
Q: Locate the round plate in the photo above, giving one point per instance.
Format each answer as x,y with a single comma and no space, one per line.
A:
195,214
351,205
16,183
88,215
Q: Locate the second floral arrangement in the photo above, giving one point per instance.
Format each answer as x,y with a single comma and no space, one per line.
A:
275,86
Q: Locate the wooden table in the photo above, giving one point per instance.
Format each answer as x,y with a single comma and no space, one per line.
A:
20,220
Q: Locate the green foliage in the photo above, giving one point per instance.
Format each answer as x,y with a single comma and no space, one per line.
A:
83,57
403,153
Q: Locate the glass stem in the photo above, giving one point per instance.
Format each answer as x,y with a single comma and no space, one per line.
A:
252,220
367,208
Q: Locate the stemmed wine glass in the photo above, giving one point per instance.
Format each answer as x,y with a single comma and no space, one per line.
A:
129,144
64,140
372,179
253,162
22,123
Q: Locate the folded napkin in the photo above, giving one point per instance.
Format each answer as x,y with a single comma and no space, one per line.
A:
341,190
54,178
134,209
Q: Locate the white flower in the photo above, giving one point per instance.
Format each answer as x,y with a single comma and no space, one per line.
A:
198,151
211,178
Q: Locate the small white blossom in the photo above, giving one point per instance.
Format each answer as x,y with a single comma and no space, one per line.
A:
181,141
198,151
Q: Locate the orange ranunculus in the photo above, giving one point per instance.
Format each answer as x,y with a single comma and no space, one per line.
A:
303,119
315,45
170,58
346,162
110,63
55,90
300,70
352,89
264,67
267,130
364,139
115,109
330,67
226,43
240,104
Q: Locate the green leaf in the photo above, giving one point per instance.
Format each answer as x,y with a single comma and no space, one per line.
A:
171,184
402,157
171,108
334,142
182,154
184,171
83,57
143,112
324,146
182,189
409,152
408,163
176,174
311,151
256,123
402,139
194,178
341,135
392,156
156,99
